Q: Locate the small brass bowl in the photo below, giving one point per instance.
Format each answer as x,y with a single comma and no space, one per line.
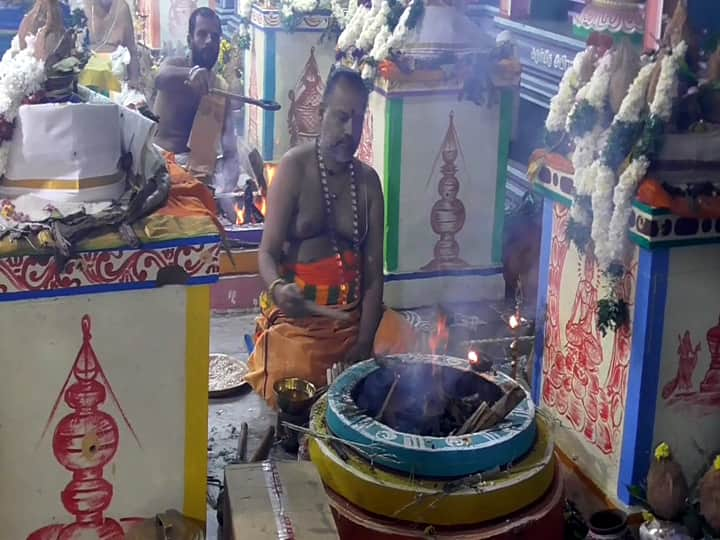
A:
294,395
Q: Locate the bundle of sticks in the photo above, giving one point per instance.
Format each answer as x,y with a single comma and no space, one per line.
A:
486,417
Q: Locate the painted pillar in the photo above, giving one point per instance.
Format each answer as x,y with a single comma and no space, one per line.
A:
443,165
290,68
617,396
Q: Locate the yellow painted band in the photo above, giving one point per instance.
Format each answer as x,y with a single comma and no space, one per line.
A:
197,358
416,500
81,183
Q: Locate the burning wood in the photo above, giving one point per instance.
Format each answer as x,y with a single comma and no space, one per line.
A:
432,400
381,414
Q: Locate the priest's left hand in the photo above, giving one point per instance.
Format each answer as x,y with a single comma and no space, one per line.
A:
358,353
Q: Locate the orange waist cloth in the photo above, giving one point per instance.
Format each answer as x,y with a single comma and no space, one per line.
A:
325,282
306,347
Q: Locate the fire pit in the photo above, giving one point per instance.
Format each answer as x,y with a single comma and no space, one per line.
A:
450,502
247,212
427,414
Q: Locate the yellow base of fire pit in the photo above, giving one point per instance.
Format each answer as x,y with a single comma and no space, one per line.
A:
431,502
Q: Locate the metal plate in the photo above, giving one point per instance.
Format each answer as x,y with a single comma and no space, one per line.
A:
227,376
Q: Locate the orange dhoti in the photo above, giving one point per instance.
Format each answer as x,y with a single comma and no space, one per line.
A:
307,347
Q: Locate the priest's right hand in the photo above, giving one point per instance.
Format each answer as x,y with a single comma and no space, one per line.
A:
290,300
199,79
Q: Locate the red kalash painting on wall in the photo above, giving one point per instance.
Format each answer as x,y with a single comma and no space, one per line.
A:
573,383
85,441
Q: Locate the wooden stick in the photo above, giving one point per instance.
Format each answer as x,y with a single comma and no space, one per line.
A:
470,422
242,443
393,386
324,311
502,408
263,451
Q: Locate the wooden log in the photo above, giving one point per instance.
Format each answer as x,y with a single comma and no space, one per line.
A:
467,427
383,408
501,409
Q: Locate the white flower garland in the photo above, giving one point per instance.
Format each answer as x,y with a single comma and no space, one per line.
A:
631,109
21,75
343,13
353,28
368,30
563,101
377,19
595,92
661,108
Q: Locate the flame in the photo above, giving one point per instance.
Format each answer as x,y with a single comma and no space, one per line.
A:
473,357
239,215
514,321
270,170
438,340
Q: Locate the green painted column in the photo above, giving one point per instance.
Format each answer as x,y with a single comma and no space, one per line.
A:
392,177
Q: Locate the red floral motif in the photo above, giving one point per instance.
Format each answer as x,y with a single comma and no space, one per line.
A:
572,380
36,273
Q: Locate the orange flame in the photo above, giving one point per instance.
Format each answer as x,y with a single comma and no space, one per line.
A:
438,340
473,357
270,170
239,215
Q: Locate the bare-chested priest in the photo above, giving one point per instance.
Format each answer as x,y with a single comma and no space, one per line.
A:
110,26
323,245
182,82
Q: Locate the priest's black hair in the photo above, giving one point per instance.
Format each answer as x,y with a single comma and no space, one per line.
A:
341,73
202,12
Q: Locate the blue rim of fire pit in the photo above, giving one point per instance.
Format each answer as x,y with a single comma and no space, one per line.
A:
437,457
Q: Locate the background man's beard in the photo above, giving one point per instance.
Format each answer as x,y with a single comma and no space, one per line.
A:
202,60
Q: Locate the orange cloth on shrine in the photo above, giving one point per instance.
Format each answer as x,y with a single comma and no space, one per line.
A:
188,196
306,347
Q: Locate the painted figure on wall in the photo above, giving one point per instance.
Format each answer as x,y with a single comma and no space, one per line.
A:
573,381
681,390
365,152
304,104
711,382
85,442
688,354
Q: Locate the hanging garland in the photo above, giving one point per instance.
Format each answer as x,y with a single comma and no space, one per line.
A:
21,76
373,34
585,123
563,101
625,129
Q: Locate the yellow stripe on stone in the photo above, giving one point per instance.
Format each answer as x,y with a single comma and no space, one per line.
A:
197,359
423,501
57,185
